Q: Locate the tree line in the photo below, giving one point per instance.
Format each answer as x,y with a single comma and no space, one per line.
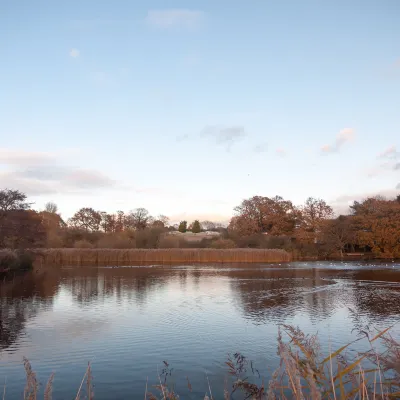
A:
371,226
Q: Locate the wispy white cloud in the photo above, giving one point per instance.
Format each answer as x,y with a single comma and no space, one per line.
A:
281,152
390,153
170,18
225,136
74,53
341,204
261,147
42,173
344,136
23,157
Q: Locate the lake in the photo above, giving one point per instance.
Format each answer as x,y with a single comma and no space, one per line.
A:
126,321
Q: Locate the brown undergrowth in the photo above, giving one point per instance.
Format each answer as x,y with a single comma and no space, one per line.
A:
303,373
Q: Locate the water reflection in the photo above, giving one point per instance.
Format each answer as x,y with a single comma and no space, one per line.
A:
193,316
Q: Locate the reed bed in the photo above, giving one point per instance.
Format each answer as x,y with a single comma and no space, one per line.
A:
303,373
122,257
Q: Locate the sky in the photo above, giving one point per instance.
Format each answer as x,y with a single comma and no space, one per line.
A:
188,107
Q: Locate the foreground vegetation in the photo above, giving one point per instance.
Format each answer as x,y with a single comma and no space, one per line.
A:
303,373
311,230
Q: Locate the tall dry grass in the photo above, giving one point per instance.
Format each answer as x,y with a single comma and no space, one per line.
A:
118,257
303,373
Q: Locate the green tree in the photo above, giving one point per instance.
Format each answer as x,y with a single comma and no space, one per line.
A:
196,228
182,226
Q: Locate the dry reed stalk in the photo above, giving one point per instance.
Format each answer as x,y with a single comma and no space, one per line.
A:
49,388
4,389
31,386
103,257
145,393
162,387
80,387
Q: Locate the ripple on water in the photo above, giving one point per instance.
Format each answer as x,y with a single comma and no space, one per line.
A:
126,321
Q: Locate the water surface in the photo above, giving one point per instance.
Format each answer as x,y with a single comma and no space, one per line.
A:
126,321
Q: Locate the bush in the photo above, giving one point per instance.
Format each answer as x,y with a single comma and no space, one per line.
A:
83,244
116,241
13,261
223,244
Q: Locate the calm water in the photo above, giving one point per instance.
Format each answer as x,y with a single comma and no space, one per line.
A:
126,321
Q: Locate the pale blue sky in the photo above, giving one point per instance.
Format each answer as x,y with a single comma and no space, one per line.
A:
188,107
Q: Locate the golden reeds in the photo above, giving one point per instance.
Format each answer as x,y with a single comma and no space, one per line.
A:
122,257
302,373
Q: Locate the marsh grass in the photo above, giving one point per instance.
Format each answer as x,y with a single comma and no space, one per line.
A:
303,373
118,257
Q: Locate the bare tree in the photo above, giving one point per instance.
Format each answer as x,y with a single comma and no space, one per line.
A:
208,225
51,207
138,219
164,219
13,200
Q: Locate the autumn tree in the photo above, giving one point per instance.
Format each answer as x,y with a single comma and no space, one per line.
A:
120,221
138,219
196,227
337,233
86,218
312,216
377,225
13,200
21,229
108,222
182,226
258,214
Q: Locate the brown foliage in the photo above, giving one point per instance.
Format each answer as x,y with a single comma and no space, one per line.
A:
377,225
275,216
21,229
86,218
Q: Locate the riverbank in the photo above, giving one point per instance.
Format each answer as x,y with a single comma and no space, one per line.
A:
121,257
14,262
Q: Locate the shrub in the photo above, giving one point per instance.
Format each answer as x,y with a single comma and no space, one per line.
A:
83,244
223,244
116,241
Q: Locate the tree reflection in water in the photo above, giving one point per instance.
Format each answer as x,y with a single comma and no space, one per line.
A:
263,295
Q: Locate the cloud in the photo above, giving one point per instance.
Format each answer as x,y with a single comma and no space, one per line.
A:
342,203
174,18
224,136
261,148
182,138
398,186
344,136
22,157
38,173
390,162
74,53
389,153
281,152
55,179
